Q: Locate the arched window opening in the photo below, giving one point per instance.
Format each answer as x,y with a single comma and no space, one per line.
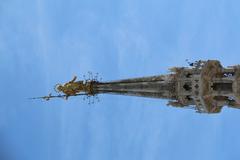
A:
228,74
187,87
188,75
222,87
189,98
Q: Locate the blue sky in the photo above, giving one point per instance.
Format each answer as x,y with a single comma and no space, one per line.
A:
44,42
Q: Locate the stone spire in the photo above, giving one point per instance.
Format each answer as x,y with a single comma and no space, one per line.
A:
205,86
154,87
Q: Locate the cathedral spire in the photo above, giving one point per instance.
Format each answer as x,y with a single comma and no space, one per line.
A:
153,87
205,85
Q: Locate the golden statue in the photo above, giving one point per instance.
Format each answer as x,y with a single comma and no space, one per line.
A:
73,87
206,86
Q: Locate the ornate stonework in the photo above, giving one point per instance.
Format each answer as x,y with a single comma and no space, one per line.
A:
205,86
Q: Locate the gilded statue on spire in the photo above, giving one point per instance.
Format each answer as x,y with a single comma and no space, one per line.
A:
73,87
205,86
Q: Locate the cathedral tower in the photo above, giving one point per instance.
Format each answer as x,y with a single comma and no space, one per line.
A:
205,86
